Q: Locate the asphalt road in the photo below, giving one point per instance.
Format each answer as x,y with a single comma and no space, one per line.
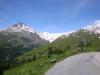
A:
81,64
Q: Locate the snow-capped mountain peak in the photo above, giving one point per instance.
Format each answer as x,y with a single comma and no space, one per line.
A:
94,27
19,27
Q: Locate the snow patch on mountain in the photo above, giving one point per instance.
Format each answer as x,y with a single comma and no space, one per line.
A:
52,36
19,27
49,36
94,27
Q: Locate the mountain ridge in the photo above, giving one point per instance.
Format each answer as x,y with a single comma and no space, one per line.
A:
21,27
39,60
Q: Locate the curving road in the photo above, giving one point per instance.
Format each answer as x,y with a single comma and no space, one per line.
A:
81,64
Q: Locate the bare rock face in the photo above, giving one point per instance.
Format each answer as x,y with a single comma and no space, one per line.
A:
81,64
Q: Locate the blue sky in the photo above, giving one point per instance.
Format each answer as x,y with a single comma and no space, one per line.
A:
49,15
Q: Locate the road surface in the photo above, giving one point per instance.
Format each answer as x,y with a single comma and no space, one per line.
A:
81,64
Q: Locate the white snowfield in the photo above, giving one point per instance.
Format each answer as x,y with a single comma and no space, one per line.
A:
81,64
53,36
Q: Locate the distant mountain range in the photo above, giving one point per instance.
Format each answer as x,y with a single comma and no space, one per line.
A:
22,36
93,27
23,28
20,39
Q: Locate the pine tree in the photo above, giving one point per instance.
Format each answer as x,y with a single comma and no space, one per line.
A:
49,52
34,56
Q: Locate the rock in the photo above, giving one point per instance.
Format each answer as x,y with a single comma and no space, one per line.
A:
53,61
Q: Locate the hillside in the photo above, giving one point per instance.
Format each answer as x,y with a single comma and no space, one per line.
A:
39,60
35,35
15,41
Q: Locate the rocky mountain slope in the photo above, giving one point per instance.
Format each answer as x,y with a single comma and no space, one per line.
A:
16,40
21,34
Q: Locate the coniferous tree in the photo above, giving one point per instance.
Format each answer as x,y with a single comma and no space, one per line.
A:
49,52
34,56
